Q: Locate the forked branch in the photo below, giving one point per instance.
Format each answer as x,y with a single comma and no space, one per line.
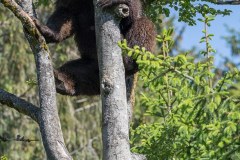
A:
48,118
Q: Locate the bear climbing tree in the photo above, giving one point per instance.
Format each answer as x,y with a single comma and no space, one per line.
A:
76,17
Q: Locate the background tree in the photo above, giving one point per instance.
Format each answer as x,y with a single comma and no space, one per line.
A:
190,109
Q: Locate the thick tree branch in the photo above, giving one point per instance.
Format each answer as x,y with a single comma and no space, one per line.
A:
48,118
19,104
115,128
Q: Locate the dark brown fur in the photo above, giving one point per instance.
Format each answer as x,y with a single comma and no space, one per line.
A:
76,17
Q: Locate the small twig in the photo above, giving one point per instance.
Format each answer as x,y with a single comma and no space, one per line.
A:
18,138
26,91
224,78
165,100
184,75
81,100
237,2
160,75
86,107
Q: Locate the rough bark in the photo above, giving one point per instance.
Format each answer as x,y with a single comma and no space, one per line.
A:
48,119
115,128
19,104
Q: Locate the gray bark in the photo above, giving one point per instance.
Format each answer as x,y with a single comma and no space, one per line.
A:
48,119
19,104
136,156
115,128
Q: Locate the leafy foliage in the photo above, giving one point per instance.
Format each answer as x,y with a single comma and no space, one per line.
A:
233,40
187,9
195,116
3,158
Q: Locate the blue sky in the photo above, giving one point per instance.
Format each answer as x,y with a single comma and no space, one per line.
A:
193,34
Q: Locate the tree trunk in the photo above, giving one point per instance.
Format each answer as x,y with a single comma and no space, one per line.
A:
115,128
49,121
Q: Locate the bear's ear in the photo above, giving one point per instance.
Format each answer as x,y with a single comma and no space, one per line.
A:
64,84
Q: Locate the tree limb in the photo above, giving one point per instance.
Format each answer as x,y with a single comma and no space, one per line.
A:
116,110
48,119
19,104
115,128
26,20
236,2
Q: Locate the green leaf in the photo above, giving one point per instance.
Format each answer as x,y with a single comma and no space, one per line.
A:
212,106
183,130
130,53
234,115
217,99
221,144
231,127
